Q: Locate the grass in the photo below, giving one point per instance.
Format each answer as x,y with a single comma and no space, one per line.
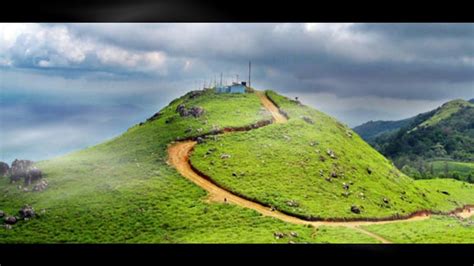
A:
438,229
462,169
281,164
445,111
123,191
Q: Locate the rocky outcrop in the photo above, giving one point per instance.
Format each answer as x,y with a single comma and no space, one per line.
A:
24,169
4,168
194,111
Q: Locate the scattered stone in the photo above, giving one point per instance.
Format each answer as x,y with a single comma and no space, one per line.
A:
292,203
27,212
287,138
7,226
291,242
40,186
234,174
333,174
10,220
328,179
361,195
321,158
225,156
369,170
278,235
346,194
321,173
331,153
154,117
308,120
272,208
355,209
349,134
345,186
194,94
2,213
199,140
385,200
293,234
313,143
4,167
25,189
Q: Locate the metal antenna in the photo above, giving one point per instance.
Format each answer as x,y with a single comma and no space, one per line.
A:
250,70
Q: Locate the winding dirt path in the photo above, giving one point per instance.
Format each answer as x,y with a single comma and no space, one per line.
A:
178,156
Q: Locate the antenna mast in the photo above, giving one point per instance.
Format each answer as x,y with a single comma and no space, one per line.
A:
250,70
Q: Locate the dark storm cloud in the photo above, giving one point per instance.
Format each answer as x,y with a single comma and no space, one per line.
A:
60,79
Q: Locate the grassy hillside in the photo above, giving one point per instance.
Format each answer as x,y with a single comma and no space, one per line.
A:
289,166
438,229
123,191
444,134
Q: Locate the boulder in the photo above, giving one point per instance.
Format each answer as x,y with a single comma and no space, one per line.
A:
33,174
2,213
154,117
199,140
278,235
225,156
345,186
308,120
27,212
331,153
4,167
40,186
19,169
292,203
10,220
355,209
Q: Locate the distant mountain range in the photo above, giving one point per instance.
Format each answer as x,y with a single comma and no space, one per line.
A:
430,144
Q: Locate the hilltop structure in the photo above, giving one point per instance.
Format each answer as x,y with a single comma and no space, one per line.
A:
234,88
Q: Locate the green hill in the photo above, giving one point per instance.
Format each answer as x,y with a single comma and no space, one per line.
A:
124,191
372,129
444,136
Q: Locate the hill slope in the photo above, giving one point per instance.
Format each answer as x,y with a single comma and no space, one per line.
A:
124,191
442,135
372,129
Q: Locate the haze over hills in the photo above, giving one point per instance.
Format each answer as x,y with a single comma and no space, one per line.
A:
436,143
300,180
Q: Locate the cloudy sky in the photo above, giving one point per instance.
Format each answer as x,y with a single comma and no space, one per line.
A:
69,86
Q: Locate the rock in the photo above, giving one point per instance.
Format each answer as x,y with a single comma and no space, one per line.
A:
4,167
27,212
199,140
194,94
313,143
361,195
7,226
19,169
225,156
32,175
196,111
328,179
291,242
287,138
349,134
331,153
321,158
292,203
2,213
385,200
25,189
234,174
272,208
154,117
333,174
345,186
278,235
355,209
293,234
308,120
445,192
10,220
40,186
346,194
369,170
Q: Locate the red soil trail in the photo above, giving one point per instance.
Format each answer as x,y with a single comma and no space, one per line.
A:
178,156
